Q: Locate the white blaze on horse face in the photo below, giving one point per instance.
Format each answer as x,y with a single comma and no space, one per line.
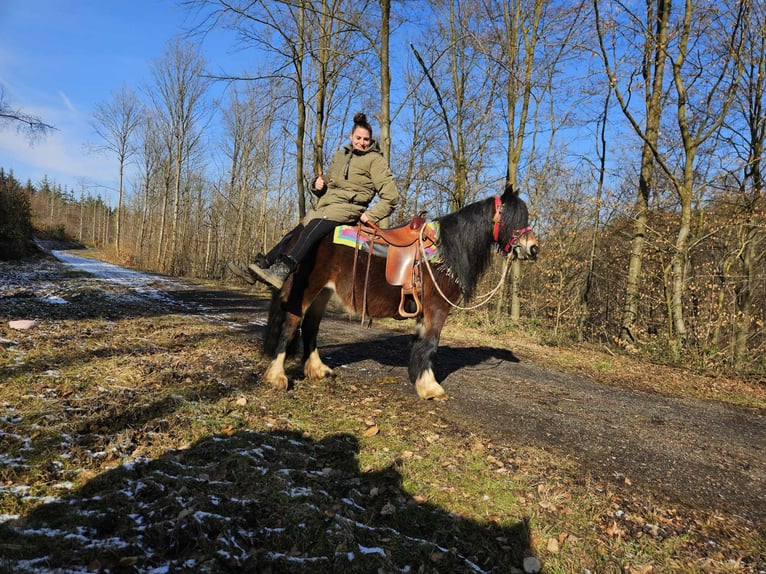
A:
526,247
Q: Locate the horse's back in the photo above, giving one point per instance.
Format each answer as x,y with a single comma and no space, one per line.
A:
336,267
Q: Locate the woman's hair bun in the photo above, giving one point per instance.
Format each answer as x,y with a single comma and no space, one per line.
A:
360,120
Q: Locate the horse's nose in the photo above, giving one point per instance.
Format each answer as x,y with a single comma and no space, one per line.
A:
533,251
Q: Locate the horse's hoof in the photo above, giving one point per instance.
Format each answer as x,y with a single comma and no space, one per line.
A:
428,388
314,368
437,395
322,373
276,377
280,383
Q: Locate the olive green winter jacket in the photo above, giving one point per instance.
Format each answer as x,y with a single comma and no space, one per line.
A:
353,180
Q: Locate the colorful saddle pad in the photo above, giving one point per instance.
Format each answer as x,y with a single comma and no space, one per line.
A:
348,235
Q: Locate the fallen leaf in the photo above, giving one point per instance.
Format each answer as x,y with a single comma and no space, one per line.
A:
437,556
553,546
614,530
388,381
372,431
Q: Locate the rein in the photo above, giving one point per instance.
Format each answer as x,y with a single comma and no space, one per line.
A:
366,276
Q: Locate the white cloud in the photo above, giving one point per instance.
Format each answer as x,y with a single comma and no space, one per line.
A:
60,155
67,102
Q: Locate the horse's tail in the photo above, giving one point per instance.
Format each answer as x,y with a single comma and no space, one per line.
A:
274,328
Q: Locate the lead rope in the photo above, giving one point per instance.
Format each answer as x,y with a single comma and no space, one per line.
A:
485,298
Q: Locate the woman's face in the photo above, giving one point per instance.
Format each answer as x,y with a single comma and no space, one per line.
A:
360,139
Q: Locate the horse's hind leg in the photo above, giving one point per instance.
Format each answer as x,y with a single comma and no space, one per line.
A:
313,367
421,359
275,374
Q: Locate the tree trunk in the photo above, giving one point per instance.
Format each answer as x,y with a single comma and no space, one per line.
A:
654,59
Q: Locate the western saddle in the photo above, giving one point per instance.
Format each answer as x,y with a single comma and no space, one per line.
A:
403,259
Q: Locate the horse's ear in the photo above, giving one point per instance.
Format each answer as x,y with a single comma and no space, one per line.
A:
509,192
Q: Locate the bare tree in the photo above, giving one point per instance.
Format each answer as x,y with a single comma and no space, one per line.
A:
523,69
745,133
280,29
115,122
31,125
179,85
248,123
149,151
457,74
651,29
708,74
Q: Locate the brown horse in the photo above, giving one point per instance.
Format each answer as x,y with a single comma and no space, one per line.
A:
466,240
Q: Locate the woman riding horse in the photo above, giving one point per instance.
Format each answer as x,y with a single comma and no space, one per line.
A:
464,243
357,173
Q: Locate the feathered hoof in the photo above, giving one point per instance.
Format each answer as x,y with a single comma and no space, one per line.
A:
276,377
314,368
322,372
428,388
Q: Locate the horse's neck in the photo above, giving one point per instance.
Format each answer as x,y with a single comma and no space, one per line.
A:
466,238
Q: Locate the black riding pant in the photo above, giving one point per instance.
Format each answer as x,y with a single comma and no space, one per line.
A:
308,236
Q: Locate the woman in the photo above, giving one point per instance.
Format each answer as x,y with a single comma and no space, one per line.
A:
358,172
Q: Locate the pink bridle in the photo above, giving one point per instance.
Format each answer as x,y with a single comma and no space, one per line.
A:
517,233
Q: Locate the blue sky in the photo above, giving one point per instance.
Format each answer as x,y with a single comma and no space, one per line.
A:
60,58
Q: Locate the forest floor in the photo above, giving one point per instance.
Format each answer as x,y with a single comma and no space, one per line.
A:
613,465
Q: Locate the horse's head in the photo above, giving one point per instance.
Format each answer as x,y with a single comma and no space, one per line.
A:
511,231
526,246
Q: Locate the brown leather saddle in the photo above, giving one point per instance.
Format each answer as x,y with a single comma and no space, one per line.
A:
405,245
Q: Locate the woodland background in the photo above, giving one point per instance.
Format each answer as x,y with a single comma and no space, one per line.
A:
634,130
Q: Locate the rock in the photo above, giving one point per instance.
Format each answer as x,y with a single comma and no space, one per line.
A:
23,324
532,565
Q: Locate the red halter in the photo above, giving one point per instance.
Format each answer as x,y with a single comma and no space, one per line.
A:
496,229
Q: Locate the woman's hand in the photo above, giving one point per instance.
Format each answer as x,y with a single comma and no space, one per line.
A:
319,182
363,218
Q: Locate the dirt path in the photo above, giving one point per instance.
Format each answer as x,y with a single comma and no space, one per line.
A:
705,454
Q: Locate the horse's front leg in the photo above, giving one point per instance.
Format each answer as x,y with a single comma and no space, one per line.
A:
421,360
275,374
313,366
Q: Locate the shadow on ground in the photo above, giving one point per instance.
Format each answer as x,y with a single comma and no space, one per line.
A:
393,350
256,502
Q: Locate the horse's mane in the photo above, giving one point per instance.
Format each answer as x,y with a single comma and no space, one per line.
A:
465,238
